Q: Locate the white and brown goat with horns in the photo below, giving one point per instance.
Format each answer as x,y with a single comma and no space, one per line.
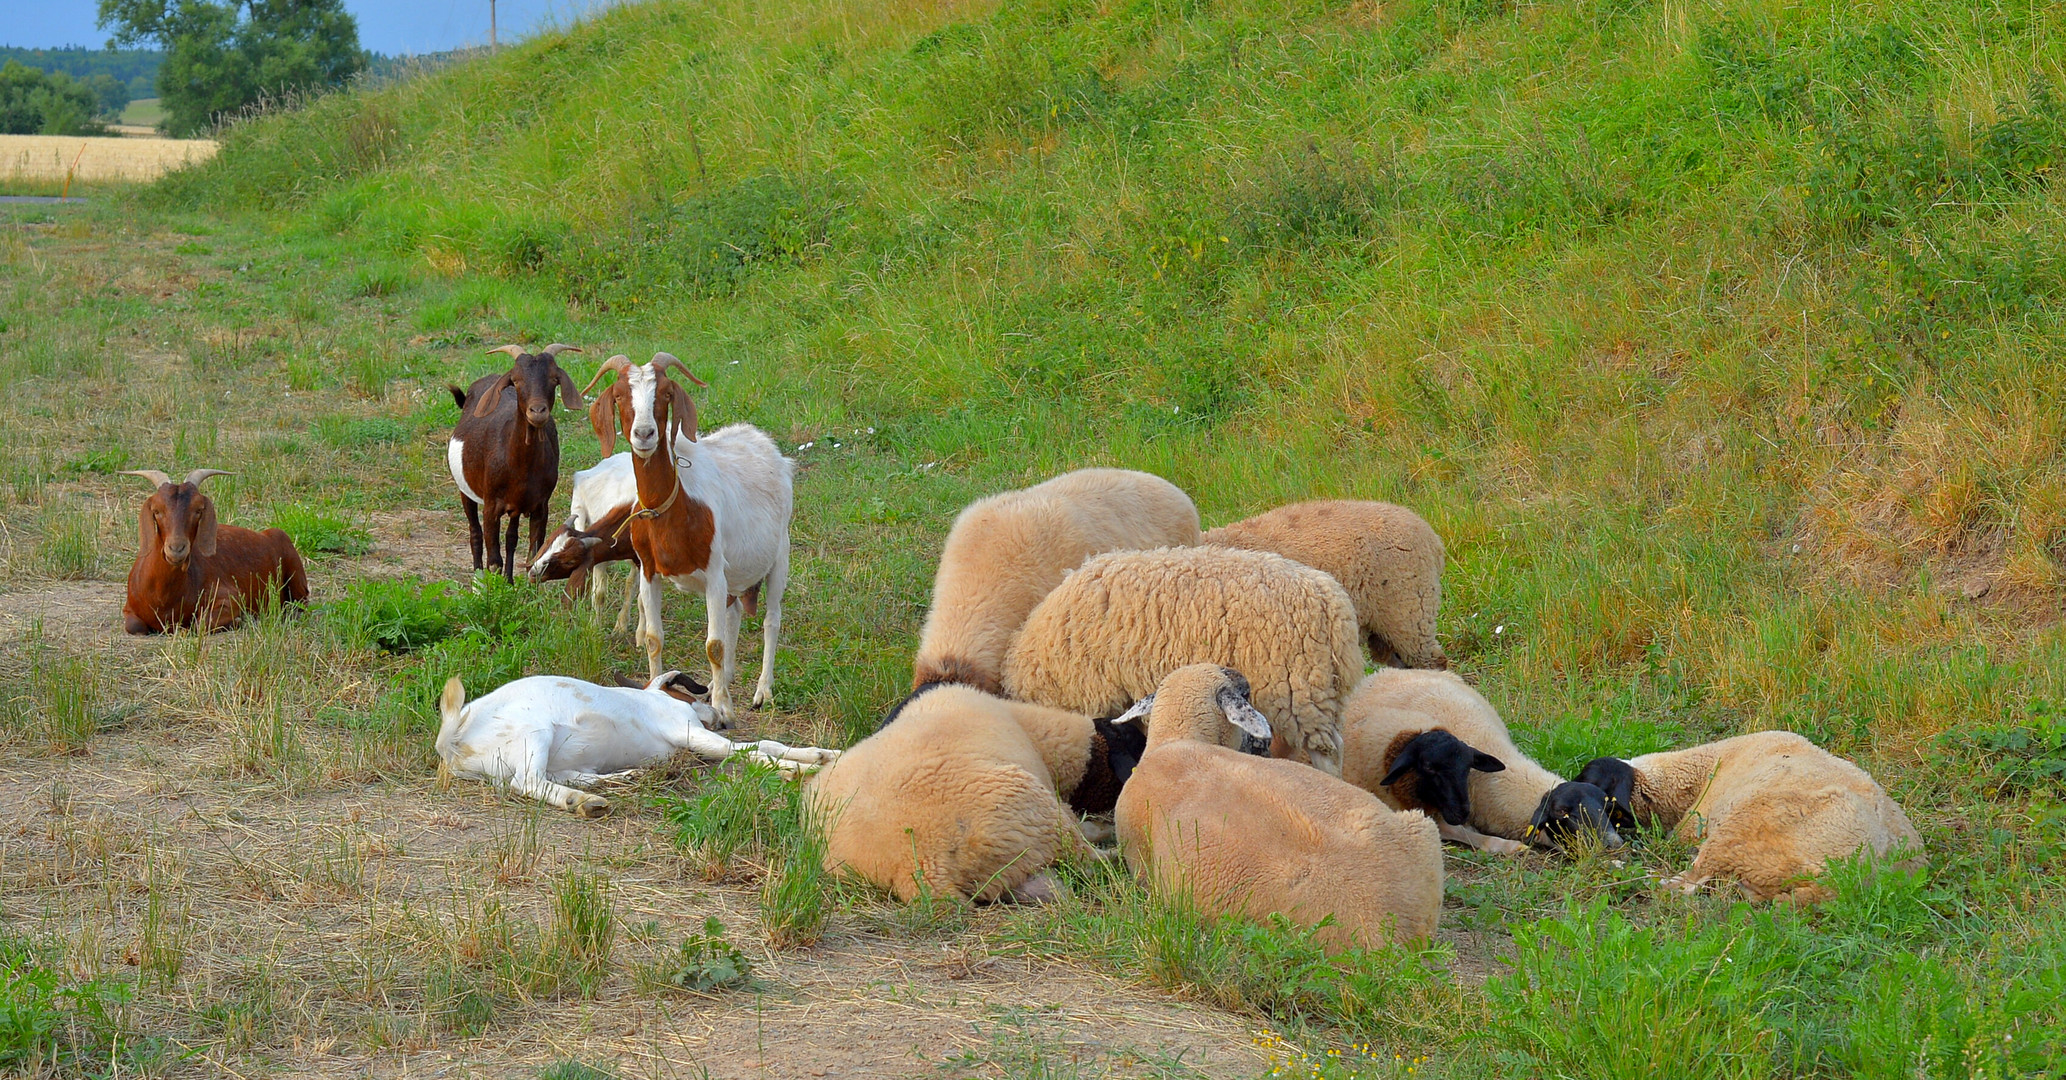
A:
712,515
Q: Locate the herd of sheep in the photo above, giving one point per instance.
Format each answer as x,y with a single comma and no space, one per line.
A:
1093,668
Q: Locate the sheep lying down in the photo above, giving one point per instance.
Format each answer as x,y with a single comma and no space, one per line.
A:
545,735
1769,810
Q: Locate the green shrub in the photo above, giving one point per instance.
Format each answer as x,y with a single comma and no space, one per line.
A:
394,615
51,1021
706,963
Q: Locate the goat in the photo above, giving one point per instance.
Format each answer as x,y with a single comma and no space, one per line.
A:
191,571
594,535
505,450
712,515
539,735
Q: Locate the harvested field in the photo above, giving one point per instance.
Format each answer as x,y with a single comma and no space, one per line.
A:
51,157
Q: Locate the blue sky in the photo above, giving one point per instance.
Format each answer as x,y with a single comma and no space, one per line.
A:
387,26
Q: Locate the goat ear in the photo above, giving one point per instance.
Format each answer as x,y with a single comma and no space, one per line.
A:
684,410
492,396
204,534
570,395
1407,761
1484,762
147,539
602,416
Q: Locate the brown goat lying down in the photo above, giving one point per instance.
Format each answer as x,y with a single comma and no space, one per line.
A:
190,571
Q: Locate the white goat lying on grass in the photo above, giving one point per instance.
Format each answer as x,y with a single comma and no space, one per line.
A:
541,734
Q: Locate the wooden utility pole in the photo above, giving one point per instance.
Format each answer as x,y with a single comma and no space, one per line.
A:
492,46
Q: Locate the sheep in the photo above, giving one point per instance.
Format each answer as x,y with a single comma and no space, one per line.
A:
1769,810
1007,551
191,571
1386,556
1109,632
713,515
1424,740
961,791
539,735
1256,836
594,535
505,451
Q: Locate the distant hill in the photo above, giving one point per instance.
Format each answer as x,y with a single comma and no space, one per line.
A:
135,68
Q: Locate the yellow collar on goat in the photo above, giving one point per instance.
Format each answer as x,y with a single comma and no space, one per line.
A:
646,511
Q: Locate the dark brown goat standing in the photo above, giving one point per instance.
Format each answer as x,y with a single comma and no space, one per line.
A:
190,571
505,451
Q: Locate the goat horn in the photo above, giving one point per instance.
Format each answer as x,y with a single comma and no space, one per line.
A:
556,348
662,360
199,475
513,350
615,363
154,476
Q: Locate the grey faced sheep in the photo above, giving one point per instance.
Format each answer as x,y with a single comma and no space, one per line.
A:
962,792
541,734
1007,551
1424,740
505,451
192,571
1769,811
1386,556
1256,836
1116,625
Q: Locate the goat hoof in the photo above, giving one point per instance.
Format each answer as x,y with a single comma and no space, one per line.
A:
592,807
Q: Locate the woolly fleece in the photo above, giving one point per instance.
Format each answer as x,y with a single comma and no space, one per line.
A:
1256,836
1386,556
1769,810
1119,623
1007,551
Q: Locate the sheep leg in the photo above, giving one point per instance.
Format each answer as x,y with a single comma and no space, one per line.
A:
771,627
473,528
650,634
1469,837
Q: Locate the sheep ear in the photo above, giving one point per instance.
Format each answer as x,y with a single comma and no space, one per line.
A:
204,536
1243,715
1407,761
1139,711
492,396
1484,762
602,416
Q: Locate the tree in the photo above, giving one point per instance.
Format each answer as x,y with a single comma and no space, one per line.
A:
222,55
34,102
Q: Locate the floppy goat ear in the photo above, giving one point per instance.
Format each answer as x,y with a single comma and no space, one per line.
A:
684,410
602,416
570,395
147,538
492,396
204,533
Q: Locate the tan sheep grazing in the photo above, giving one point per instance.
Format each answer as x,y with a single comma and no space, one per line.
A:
1386,556
1424,740
1769,810
1113,628
1007,551
964,792
1257,836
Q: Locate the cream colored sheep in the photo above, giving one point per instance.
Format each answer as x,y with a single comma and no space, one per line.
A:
1256,836
1769,810
1425,740
1007,551
1113,628
1386,556
964,791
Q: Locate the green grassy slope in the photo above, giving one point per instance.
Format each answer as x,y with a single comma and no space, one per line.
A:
1719,341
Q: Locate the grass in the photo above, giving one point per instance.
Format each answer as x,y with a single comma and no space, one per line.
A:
143,111
1716,342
